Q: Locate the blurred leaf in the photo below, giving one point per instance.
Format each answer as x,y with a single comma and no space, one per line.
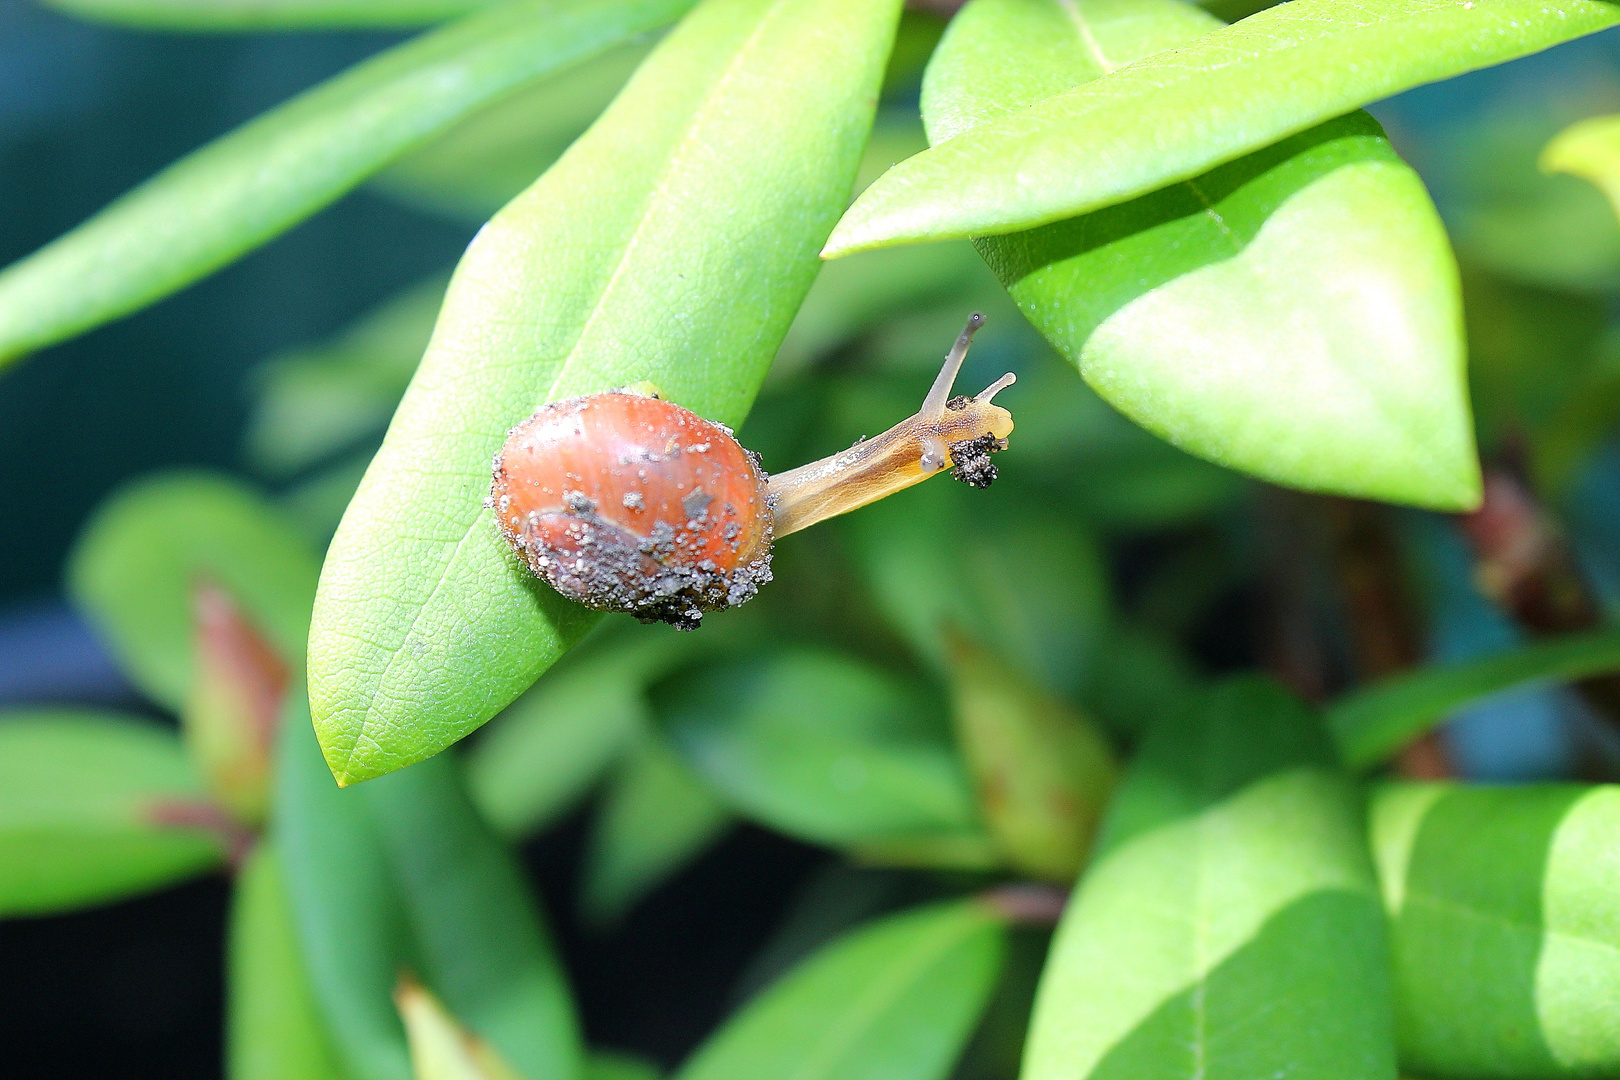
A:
613,1065
1172,116
1371,724
632,259
550,745
246,187
351,927
1043,770
442,1049
1229,924
273,1026
1025,580
136,564
1314,275
822,747
1589,149
314,402
896,999
481,164
229,720
1505,909
315,505
656,816
95,806
255,15
481,941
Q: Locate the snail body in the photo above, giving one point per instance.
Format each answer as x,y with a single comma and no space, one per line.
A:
624,501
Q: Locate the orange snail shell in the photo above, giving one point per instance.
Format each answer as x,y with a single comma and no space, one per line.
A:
625,502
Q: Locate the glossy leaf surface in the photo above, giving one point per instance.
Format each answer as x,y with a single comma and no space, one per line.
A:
95,806
1229,925
274,1029
244,15
481,943
1173,116
1371,724
822,747
896,999
252,184
1589,149
1294,314
655,816
351,925
135,567
1505,909
636,257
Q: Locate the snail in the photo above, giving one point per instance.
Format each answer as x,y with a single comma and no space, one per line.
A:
624,501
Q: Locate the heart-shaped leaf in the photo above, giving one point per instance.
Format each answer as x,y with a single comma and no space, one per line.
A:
1505,924
239,191
1174,115
1229,926
1294,314
672,243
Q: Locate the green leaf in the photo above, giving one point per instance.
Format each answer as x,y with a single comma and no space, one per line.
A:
351,925
1505,910
481,940
1229,926
441,1049
821,746
613,1065
1589,149
1043,770
95,806
487,160
249,15
135,565
246,187
1174,115
314,402
1312,279
656,816
1373,723
547,748
274,1029
896,999
635,257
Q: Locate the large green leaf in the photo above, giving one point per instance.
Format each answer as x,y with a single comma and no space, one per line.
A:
655,816
314,402
351,926
138,561
242,15
1505,909
1373,723
823,747
274,1029
1311,281
484,162
480,938
251,185
1174,115
896,999
95,806
1229,926
673,242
